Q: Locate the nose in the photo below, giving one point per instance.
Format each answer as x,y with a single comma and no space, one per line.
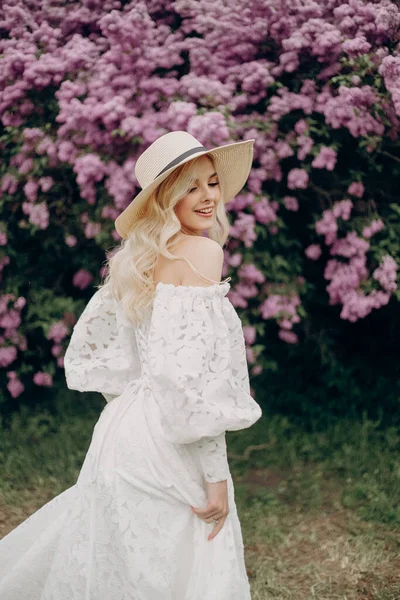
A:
209,193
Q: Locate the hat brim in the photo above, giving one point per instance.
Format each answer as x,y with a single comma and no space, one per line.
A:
232,162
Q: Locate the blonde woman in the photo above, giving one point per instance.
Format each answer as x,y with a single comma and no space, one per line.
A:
152,515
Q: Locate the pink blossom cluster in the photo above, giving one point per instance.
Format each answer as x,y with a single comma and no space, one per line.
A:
42,378
348,278
291,203
313,251
114,76
97,74
82,279
390,70
243,229
352,108
57,332
305,143
284,310
356,189
386,273
249,276
38,214
71,240
265,211
297,179
350,245
325,159
11,339
374,227
250,333
328,224
241,202
14,384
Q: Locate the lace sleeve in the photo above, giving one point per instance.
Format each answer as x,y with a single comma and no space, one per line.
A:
102,354
193,376
213,457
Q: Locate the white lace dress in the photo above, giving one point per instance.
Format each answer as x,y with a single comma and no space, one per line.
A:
125,530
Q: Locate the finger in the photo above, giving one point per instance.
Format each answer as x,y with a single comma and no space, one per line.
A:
205,512
213,518
217,529
210,519
210,516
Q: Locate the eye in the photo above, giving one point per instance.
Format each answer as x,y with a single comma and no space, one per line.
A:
212,184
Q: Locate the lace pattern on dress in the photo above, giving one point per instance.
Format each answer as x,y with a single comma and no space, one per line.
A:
125,529
192,369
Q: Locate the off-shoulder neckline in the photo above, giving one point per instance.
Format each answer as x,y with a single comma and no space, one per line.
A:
219,288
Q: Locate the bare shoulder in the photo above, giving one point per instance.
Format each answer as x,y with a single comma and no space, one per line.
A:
198,243
206,255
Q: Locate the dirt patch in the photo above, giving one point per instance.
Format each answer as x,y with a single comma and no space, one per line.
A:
301,550
12,514
264,477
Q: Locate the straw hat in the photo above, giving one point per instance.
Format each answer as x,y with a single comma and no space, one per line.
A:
232,163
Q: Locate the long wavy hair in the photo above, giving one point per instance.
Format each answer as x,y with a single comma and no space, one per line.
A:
130,266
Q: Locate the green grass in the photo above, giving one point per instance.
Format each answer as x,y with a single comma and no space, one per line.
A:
319,507
360,457
320,510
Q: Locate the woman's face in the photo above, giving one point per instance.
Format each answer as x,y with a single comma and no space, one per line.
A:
204,193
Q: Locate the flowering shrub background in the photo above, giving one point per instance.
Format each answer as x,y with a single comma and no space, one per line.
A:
314,251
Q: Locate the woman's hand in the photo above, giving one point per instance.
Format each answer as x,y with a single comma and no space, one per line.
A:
217,506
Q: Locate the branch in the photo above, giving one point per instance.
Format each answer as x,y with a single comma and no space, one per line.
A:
390,155
250,449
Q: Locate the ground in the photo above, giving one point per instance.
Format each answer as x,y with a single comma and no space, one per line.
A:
320,510
300,546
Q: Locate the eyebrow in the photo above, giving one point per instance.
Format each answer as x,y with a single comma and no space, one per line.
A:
196,180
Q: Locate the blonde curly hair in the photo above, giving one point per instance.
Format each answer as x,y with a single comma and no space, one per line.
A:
130,266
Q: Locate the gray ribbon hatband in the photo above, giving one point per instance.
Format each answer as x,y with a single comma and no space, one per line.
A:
180,158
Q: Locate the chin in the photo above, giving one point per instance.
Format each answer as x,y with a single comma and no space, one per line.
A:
205,227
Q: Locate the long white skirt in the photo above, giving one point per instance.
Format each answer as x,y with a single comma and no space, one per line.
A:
125,530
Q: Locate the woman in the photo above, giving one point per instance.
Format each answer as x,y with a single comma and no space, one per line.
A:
152,515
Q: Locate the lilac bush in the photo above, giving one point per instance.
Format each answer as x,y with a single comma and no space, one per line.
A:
86,86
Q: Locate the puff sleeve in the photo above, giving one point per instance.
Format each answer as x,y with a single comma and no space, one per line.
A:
102,354
198,371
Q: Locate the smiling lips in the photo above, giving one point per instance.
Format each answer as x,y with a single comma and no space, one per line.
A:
205,212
